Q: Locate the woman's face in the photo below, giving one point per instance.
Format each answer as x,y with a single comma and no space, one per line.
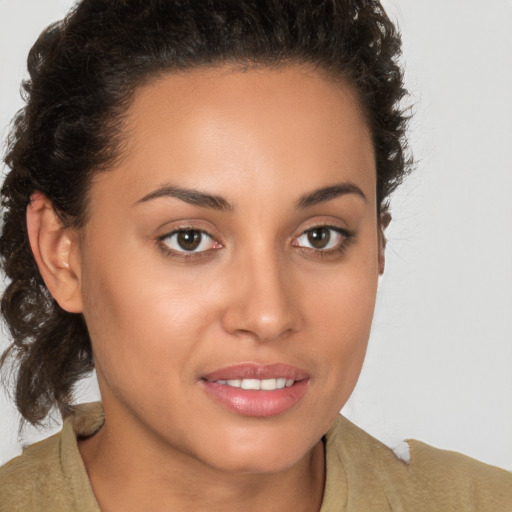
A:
235,245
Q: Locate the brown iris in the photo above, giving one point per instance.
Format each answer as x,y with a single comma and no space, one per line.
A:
319,237
189,240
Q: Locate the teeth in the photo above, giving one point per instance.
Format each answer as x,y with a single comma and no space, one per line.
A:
251,384
281,383
264,384
269,384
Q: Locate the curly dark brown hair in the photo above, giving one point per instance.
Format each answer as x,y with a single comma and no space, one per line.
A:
83,71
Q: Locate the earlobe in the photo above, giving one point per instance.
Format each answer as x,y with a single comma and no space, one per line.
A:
54,248
384,220
382,260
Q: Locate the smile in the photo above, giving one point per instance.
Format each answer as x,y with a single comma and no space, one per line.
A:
258,384
250,389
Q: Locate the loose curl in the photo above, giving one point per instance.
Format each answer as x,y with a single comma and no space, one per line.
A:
83,72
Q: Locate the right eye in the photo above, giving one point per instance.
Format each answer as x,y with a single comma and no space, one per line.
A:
189,241
324,239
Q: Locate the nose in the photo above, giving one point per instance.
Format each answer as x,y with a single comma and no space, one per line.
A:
263,300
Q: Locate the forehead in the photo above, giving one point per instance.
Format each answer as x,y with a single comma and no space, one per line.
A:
222,127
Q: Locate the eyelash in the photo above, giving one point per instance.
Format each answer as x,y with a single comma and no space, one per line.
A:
183,253
347,238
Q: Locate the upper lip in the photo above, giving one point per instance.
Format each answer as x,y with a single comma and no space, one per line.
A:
257,371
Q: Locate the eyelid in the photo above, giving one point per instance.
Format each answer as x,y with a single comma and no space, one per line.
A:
347,237
183,253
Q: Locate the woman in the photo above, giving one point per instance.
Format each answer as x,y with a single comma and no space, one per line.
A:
196,205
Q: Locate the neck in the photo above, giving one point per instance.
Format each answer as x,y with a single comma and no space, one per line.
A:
130,475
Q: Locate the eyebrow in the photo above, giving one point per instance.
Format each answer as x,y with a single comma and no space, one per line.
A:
327,193
215,202
190,196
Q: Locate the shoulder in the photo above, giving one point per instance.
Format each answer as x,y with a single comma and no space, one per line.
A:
461,479
50,475
35,471
433,479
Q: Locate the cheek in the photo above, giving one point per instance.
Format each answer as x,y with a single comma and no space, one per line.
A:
143,316
343,298
342,325
341,311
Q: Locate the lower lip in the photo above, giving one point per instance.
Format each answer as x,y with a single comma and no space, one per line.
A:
257,403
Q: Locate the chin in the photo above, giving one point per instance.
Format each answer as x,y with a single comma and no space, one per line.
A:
259,463
259,453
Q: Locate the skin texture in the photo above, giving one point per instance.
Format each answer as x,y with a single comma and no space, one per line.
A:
258,293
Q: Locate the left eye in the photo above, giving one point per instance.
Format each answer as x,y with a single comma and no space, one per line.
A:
189,240
321,238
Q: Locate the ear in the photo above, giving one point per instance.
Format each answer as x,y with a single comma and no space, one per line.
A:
384,220
55,250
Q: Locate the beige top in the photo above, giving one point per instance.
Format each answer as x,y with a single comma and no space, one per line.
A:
362,475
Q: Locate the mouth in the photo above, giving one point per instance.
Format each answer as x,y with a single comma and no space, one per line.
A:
258,384
257,390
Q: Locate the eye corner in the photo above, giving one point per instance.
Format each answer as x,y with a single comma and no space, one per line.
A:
188,242
329,239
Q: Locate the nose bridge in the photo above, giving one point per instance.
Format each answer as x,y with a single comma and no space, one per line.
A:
263,304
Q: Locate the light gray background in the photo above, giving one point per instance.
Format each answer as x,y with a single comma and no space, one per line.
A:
439,366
